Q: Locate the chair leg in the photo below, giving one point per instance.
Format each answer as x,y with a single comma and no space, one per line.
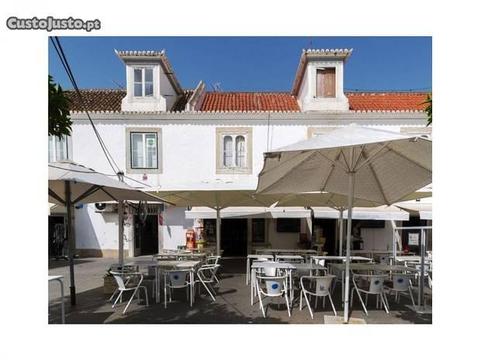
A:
129,301
411,295
111,297
165,296
382,296
288,304
261,303
208,290
333,306
118,297
361,301
302,294
146,295
309,307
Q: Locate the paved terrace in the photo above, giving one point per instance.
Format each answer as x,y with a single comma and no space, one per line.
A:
232,305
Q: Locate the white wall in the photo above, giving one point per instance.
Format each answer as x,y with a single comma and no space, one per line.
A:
175,227
377,239
96,230
188,156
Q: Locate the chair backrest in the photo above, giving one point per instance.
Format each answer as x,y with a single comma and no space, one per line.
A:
375,282
322,284
208,272
274,285
213,260
401,282
118,276
384,259
177,277
268,271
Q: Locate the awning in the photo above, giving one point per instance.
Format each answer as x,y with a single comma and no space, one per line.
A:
359,213
423,209
202,212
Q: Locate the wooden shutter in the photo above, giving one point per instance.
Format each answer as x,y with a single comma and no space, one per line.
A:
326,82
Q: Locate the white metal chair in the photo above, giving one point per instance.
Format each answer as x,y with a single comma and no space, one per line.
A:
322,289
272,286
373,284
264,271
401,283
177,279
122,286
213,260
206,275
124,270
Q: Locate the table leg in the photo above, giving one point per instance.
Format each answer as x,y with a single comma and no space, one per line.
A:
157,285
291,286
247,272
63,302
343,288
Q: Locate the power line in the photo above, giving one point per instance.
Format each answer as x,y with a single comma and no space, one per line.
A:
68,70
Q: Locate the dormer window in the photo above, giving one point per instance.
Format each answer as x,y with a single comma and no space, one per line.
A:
326,83
142,82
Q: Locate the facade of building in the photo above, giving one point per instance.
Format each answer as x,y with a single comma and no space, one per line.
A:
167,137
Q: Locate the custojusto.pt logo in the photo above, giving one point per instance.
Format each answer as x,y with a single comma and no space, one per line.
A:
50,23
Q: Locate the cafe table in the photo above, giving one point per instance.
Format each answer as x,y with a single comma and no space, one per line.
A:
319,259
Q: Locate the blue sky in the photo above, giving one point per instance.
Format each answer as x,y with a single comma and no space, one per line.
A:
250,63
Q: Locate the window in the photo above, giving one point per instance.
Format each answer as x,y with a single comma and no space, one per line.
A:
234,150
234,156
144,150
258,231
142,82
57,148
326,83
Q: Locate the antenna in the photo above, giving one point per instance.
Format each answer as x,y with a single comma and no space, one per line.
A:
216,87
118,85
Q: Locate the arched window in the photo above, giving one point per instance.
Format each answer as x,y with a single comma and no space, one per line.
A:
240,152
227,151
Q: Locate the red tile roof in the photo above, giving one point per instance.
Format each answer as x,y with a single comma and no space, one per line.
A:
110,101
97,99
249,101
387,101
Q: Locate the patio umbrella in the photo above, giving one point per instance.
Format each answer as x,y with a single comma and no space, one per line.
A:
70,183
217,199
361,163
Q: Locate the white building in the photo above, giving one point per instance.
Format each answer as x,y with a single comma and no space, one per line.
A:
165,136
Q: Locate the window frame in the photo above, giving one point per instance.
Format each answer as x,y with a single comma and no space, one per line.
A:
234,133
143,81
129,150
56,141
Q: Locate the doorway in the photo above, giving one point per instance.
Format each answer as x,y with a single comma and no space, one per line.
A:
146,235
327,228
234,236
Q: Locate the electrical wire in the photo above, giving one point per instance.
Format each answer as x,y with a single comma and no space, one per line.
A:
63,59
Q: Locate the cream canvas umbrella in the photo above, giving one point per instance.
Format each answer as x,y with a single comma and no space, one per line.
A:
70,183
361,163
217,199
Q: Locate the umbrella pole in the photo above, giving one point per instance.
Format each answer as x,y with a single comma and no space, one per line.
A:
218,228
120,231
71,244
347,255
340,251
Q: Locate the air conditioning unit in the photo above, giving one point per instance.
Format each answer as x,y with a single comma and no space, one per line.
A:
106,208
